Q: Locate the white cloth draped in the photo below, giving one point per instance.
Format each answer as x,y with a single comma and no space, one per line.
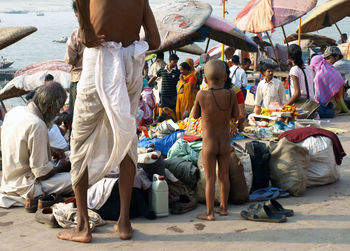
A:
104,114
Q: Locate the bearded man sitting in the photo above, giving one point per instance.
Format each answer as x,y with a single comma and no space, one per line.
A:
28,171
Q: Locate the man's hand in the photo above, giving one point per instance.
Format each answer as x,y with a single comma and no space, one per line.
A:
64,166
90,39
257,109
57,153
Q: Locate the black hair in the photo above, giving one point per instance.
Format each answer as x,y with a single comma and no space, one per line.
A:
228,83
246,61
74,6
160,55
48,77
262,67
344,35
323,47
235,59
173,57
186,66
295,53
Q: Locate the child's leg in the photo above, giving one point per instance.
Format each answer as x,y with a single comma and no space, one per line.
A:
223,173
209,163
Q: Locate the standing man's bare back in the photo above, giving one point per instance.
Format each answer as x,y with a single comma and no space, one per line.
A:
118,21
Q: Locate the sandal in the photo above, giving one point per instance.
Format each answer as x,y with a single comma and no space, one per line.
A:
264,214
277,208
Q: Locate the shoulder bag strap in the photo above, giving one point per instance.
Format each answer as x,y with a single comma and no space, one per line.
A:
306,84
234,73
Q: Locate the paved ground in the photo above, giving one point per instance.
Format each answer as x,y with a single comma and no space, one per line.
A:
321,222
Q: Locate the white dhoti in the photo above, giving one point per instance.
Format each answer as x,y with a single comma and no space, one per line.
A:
108,93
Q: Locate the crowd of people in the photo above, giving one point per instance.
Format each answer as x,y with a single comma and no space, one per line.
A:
107,76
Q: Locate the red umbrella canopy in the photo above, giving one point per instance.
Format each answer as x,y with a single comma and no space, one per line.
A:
263,15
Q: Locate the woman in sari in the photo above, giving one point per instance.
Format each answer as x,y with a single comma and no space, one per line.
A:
186,92
328,87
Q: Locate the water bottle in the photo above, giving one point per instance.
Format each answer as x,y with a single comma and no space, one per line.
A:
160,196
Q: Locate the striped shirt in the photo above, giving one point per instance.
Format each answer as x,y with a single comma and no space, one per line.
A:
169,81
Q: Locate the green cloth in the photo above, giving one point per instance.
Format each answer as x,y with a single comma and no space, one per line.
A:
186,151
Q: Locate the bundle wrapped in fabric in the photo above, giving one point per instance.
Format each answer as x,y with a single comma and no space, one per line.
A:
183,170
323,168
288,166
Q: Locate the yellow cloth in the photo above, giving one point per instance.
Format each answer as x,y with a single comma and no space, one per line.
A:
186,99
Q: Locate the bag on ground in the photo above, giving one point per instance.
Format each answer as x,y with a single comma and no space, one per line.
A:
238,187
323,167
288,166
259,156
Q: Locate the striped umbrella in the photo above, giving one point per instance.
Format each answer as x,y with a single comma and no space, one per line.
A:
264,15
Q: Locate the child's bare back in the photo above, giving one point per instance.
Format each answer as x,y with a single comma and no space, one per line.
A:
216,107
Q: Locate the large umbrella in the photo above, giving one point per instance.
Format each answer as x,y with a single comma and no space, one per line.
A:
192,49
310,40
33,76
219,29
177,21
325,15
10,35
215,52
264,15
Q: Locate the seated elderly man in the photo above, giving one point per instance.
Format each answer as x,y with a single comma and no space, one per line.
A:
27,168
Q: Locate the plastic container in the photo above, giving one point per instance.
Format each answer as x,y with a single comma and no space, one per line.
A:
160,196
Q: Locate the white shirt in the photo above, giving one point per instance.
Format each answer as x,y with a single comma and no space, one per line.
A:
25,151
270,92
298,73
155,67
238,76
56,138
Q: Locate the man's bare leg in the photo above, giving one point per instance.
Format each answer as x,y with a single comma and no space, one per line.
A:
126,181
223,174
209,163
82,232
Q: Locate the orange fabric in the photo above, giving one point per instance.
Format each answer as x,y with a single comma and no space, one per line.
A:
185,100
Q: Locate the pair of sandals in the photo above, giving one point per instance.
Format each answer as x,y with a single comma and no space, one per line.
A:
270,211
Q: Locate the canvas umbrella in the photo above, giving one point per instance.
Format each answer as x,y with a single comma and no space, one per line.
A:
191,49
220,30
32,76
214,52
10,35
264,15
310,40
177,21
325,15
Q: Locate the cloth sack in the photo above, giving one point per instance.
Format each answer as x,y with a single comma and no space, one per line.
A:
323,167
182,149
244,159
181,198
259,156
288,166
183,170
157,167
238,187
